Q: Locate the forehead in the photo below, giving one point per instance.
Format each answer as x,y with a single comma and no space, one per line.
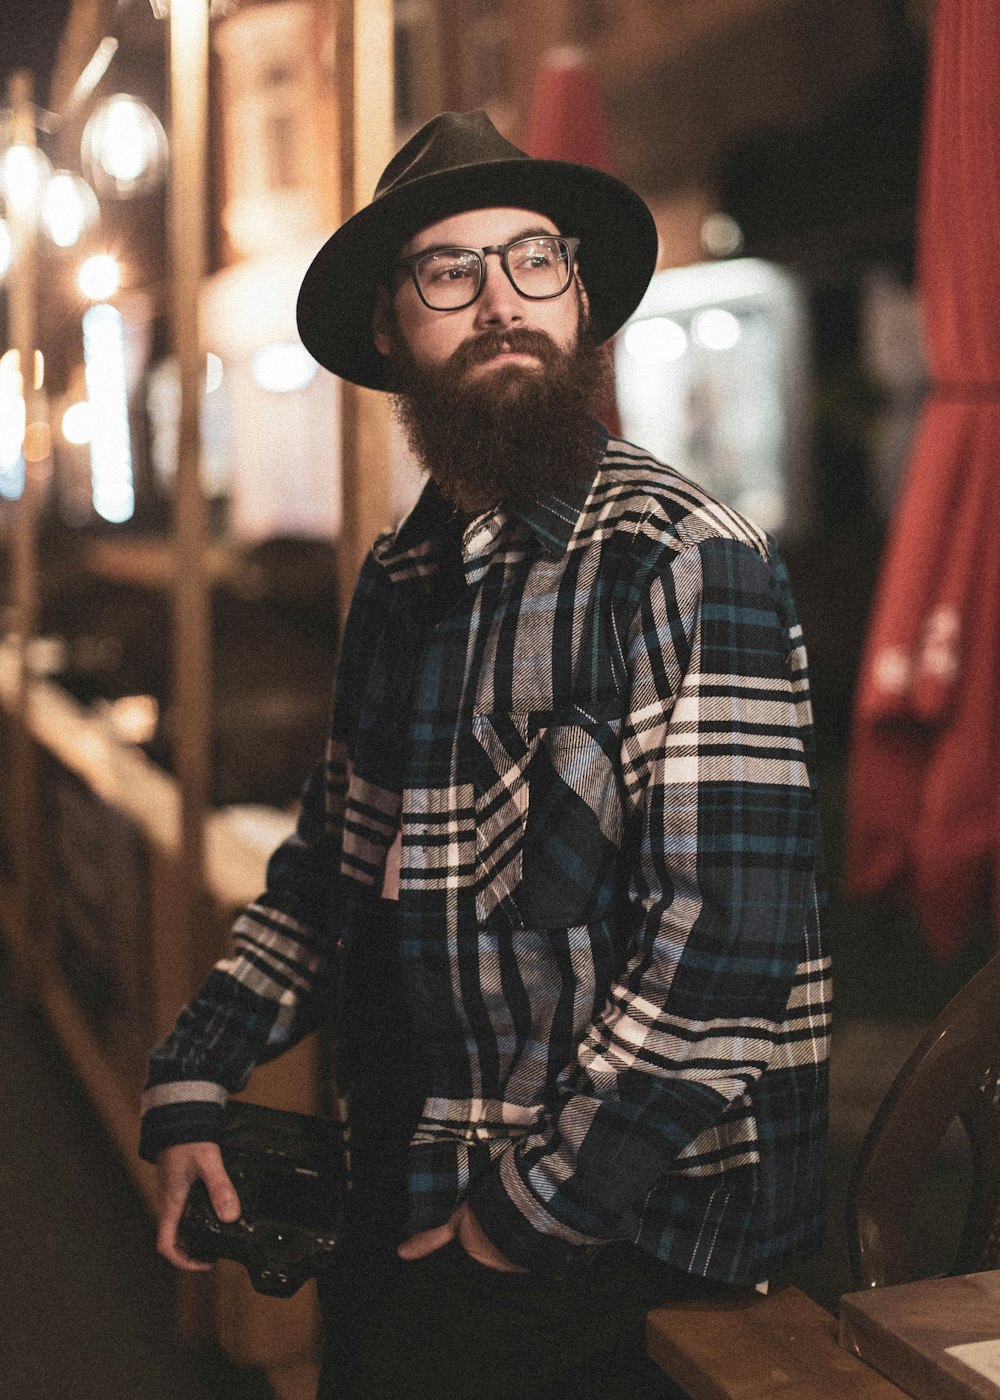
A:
478,228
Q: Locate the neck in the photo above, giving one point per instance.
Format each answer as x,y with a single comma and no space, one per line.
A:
472,502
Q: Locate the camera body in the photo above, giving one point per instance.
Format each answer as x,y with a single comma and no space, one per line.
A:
290,1172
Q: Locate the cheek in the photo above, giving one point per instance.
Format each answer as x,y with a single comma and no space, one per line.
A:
435,340
565,325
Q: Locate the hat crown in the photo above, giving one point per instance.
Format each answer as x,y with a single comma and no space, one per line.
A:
450,141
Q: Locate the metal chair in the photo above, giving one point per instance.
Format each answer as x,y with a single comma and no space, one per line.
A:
954,1071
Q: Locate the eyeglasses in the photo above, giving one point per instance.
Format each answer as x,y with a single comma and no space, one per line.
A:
448,279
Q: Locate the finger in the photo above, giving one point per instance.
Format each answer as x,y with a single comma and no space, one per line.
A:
176,1256
478,1245
166,1237
419,1246
177,1168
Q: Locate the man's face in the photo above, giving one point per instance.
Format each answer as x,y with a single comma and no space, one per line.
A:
495,397
433,336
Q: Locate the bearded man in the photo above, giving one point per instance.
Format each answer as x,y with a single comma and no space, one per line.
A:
554,885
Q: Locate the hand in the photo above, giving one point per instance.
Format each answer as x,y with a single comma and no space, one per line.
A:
464,1227
176,1169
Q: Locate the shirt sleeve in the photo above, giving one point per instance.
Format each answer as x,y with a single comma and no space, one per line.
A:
722,856
269,993
263,998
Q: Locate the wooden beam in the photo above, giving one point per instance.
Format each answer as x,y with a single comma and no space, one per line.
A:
367,138
23,313
23,283
192,642
87,22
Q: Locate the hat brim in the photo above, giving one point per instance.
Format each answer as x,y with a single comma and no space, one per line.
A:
617,257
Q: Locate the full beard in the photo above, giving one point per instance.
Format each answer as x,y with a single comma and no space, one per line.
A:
510,433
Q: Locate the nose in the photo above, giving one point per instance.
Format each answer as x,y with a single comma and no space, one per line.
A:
499,303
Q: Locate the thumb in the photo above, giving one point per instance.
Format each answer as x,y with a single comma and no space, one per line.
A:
221,1192
419,1246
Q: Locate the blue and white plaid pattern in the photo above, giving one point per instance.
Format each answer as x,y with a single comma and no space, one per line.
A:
590,721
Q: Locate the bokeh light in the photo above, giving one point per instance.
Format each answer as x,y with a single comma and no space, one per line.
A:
214,373
107,394
716,328
24,173
721,236
6,249
283,368
69,208
657,340
124,147
100,277
76,427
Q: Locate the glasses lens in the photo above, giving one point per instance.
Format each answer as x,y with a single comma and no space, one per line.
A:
539,267
449,277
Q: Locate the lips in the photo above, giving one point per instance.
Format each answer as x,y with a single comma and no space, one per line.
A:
506,356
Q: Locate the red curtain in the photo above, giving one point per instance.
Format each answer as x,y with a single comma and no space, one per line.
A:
567,123
924,817
567,119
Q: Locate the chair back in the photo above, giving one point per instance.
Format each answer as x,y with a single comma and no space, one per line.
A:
954,1071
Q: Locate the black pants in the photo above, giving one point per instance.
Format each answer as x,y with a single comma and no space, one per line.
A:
449,1328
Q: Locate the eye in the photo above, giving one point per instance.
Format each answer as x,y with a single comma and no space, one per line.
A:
535,255
444,267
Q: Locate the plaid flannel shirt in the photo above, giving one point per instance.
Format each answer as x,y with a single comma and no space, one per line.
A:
590,721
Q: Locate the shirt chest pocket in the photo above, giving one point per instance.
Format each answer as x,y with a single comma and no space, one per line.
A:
549,818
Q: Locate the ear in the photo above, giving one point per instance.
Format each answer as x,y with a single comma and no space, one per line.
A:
382,321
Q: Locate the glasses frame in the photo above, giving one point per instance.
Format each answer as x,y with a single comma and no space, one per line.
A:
502,250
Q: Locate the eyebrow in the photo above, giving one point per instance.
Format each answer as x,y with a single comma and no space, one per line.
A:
534,232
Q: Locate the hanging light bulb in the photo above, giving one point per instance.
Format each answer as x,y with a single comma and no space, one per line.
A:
69,208
24,173
124,147
6,249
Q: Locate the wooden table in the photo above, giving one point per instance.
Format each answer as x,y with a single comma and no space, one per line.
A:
938,1338
751,1347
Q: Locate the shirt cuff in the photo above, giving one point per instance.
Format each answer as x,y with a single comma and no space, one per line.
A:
189,1120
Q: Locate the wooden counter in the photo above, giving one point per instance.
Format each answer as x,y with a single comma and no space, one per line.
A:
91,916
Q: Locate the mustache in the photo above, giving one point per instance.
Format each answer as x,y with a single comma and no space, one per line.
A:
519,341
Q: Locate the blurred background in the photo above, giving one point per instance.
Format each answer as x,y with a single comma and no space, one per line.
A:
185,498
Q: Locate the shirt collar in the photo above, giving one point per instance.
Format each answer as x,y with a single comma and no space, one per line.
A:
553,519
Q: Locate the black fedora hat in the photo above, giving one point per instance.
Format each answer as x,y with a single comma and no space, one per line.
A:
460,161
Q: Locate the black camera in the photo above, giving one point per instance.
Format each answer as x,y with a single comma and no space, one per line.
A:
290,1171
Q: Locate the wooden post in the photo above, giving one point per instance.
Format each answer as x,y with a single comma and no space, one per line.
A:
24,335
192,673
367,131
23,281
